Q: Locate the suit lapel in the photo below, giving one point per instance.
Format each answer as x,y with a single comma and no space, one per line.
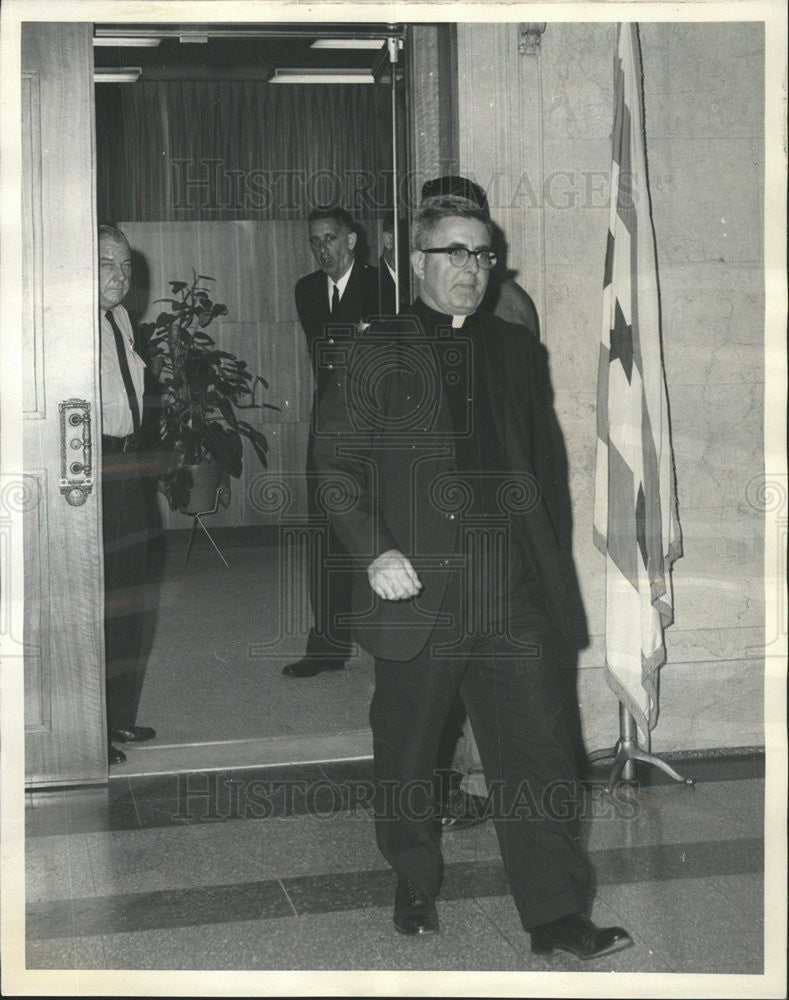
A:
350,303
320,299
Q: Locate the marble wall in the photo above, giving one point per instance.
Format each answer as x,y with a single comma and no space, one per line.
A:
537,128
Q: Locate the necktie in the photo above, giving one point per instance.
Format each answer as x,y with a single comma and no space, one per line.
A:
335,301
123,362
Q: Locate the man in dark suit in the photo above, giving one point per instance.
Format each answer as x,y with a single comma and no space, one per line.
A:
442,422
124,520
341,294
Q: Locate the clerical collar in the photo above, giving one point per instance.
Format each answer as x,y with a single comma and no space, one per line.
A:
442,319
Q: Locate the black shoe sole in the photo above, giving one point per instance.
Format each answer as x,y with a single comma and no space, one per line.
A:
117,738
312,673
418,932
448,824
545,948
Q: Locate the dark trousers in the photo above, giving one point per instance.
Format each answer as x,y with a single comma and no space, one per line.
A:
125,552
513,699
330,589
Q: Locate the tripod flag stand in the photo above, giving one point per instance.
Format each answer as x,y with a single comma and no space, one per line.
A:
627,751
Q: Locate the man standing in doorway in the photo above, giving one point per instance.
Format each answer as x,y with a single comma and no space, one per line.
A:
124,520
343,292
389,274
462,578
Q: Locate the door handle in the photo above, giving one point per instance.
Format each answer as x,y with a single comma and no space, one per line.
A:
76,451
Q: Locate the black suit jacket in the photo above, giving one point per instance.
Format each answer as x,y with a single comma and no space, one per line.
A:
387,289
359,303
385,437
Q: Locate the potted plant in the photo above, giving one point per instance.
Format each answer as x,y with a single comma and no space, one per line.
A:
202,388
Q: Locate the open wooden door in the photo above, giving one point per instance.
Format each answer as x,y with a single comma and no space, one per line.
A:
65,734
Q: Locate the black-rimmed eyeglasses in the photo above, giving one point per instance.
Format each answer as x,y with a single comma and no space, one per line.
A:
458,256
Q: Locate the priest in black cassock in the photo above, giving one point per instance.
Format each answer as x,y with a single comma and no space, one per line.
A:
442,421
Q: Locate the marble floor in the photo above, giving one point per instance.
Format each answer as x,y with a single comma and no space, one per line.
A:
277,869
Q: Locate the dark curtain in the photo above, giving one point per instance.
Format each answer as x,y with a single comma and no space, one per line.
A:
212,150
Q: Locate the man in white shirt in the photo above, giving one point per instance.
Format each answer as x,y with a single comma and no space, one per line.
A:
124,523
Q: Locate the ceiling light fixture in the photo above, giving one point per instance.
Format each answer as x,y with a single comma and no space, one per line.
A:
348,43
294,75
128,42
119,74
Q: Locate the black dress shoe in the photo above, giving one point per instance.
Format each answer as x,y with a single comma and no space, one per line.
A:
577,934
414,910
137,734
309,666
460,811
116,756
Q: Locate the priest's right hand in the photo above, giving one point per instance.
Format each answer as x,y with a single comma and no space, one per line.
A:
393,577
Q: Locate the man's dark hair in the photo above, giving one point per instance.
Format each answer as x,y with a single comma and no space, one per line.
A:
433,210
336,215
460,187
112,233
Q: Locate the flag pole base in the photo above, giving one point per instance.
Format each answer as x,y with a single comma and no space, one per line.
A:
627,752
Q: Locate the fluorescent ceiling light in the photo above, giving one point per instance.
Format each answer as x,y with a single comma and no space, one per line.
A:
127,42
347,43
322,76
119,74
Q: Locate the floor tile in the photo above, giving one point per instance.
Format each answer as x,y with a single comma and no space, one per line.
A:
349,770
209,797
688,925
479,843
66,953
58,868
278,868
158,910
666,814
314,942
82,810
125,861
745,893
339,891
741,800
298,845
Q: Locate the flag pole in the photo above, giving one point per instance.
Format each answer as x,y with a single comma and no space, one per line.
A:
627,751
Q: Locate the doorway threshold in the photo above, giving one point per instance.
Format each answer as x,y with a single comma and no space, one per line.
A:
236,755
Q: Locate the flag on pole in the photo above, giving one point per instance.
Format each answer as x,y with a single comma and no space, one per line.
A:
635,515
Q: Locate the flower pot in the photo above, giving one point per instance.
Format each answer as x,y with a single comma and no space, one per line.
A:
206,481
